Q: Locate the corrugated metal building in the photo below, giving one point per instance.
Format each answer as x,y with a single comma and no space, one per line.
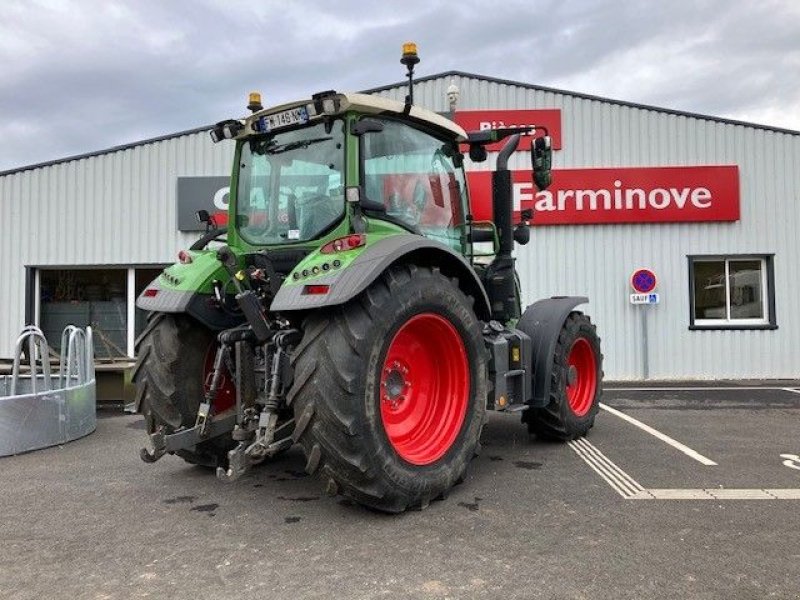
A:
728,289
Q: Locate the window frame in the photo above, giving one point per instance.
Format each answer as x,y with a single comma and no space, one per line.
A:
769,322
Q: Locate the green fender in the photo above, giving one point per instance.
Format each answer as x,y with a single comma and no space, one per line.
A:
346,283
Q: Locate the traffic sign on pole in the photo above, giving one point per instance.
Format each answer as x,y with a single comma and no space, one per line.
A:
643,281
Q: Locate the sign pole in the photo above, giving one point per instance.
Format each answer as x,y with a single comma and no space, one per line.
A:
644,282
645,356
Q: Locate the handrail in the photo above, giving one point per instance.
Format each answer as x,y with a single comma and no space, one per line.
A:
77,357
36,341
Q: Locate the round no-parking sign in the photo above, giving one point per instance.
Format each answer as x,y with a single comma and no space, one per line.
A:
643,281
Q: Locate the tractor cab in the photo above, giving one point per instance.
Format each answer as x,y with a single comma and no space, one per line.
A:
340,162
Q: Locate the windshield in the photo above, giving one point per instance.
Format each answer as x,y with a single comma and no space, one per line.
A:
291,184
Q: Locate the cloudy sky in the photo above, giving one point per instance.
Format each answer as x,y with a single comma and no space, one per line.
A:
83,75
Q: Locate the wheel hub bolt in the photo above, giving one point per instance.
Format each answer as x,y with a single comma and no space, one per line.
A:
394,384
572,375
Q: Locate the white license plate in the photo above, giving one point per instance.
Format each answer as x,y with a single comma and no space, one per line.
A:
293,116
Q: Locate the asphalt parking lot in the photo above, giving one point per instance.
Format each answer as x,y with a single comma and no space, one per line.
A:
630,512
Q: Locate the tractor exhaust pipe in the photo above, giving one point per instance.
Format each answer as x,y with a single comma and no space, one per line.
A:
502,197
500,274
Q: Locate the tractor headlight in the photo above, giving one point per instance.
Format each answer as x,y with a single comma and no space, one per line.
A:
226,130
328,106
325,103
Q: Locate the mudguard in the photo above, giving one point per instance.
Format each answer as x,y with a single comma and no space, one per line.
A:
192,303
348,282
542,321
187,288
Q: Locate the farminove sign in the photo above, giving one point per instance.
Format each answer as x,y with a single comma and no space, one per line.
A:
200,193
620,195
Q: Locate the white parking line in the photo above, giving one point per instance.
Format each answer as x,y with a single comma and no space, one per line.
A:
661,436
618,479
791,390
695,389
627,487
725,494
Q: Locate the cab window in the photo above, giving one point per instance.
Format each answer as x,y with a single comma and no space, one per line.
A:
414,176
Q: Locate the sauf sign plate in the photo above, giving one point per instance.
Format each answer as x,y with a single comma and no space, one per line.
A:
621,195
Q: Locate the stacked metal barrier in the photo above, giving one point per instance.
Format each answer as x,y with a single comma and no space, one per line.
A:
35,413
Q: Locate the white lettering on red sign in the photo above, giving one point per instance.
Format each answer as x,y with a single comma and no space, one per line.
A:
548,119
485,125
623,195
620,198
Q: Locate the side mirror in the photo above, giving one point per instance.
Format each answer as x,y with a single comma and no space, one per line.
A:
522,234
477,153
542,161
202,216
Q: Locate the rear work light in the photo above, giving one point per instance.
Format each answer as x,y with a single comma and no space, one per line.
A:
315,290
348,242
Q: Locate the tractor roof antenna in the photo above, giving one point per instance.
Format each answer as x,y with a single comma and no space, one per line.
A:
409,59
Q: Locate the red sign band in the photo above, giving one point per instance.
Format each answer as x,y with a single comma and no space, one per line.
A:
621,195
481,120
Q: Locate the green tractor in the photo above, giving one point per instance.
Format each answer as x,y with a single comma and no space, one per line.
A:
354,306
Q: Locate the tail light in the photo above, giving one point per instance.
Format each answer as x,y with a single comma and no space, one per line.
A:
184,257
316,290
342,244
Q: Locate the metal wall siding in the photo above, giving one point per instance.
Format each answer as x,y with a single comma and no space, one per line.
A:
111,209
597,260
119,208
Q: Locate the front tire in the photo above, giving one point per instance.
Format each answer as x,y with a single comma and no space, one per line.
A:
389,390
575,386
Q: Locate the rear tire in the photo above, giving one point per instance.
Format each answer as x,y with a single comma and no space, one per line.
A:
171,356
389,390
576,384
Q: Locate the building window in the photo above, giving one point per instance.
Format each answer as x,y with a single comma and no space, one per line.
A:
731,292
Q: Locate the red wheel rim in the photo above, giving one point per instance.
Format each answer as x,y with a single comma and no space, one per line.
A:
226,394
424,389
581,376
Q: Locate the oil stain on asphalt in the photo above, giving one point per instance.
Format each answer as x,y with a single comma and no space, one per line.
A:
528,465
181,500
471,506
299,498
207,508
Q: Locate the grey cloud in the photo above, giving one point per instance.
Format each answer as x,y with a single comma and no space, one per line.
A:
81,76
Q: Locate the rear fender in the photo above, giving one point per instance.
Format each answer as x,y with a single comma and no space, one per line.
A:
346,283
543,321
188,288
